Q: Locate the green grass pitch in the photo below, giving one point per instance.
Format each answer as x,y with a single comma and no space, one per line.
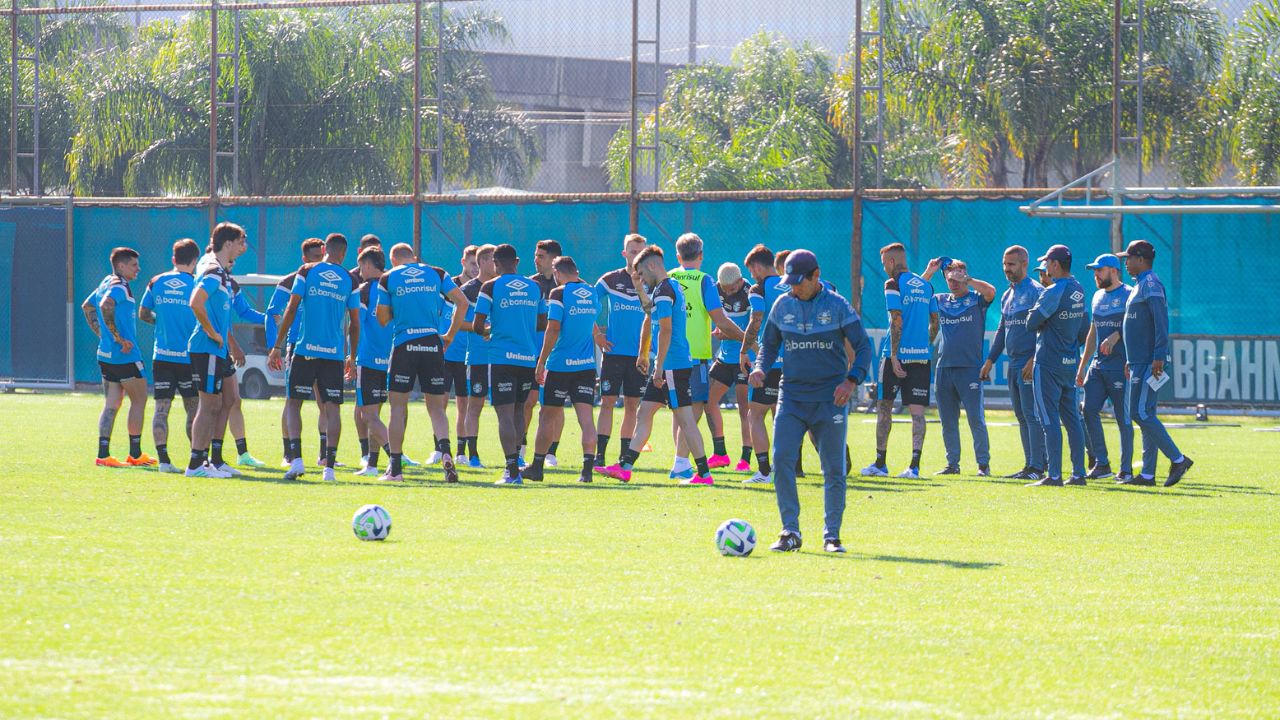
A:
128,593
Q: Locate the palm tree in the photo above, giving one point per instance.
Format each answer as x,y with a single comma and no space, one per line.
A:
1251,94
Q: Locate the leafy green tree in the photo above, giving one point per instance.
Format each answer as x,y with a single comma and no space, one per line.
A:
1251,94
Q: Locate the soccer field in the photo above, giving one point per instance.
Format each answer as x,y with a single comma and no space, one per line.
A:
127,593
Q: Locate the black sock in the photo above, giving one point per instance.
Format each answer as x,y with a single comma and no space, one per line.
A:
762,463
397,467
372,458
538,460
242,446
443,447
880,458
554,447
588,462
288,448
915,459
135,446
623,448
475,451
197,459
324,442
386,448
703,470
330,456
104,447
163,452
364,446
628,458
296,444
746,453
513,465
718,447
215,452
602,445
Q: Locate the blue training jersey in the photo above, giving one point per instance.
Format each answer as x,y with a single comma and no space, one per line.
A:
216,283
1146,321
545,285
621,314
912,296
512,304
244,309
1062,323
168,295
375,338
762,296
668,303
275,309
327,295
457,350
126,318
477,349
575,306
814,332
415,292
1012,334
1108,317
737,307
962,322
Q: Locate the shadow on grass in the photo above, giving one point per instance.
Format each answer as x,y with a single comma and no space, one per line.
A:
943,562
1157,490
1232,489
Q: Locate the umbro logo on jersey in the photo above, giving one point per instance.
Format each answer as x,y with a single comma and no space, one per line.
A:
412,272
838,418
583,293
517,285
915,282
330,276
788,318
174,283
1077,296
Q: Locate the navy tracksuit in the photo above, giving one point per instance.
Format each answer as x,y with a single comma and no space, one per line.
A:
1062,324
962,322
1105,379
1146,338
1012,336
812,333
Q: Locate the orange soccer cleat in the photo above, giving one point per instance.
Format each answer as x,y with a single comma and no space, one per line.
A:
143,460
109,462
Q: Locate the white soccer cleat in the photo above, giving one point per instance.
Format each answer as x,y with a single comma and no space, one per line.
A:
285,464
434,458
169,468
367,471
296,470
874,470
550,461
909,474
328,475
758,478
230,471
207,471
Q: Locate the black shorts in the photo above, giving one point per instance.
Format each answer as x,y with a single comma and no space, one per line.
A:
478,381
509,384
768,394
172,379
210,370
119,372
371,386
914,387
455,378
230,371
569,388
620,376
674,393
727,373
420,360
307,375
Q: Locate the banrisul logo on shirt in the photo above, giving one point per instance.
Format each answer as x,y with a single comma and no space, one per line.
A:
174,284
412,272
330,276
583,293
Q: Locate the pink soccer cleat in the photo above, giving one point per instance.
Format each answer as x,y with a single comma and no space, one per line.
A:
617,473
699,480
719,461
743,466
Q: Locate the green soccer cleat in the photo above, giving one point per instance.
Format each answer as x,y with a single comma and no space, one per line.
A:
247,460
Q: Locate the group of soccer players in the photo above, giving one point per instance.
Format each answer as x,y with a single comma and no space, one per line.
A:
394,323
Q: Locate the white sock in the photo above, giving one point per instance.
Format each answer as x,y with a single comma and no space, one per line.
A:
1180,459
681,463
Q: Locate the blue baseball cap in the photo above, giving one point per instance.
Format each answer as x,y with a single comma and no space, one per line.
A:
799,264
1041,267
1057,252
1105,260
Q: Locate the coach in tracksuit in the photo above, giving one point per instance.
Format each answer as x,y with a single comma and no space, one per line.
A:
1146,346
1061,322
811,323
1101,372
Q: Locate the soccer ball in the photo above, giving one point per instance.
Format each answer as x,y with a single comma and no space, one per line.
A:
371,522
736,538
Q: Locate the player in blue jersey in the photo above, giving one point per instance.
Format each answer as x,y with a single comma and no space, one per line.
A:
320,355
369,240
566,367
373,356
312,252
246,312
904,363
477,357
1101,371
725,373
618,331
413,295
455,358
1013,337
167,305
814,325
112,314
666,359
1061,322
544,254
962,319
509,315
1146,347
763,294
210,344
